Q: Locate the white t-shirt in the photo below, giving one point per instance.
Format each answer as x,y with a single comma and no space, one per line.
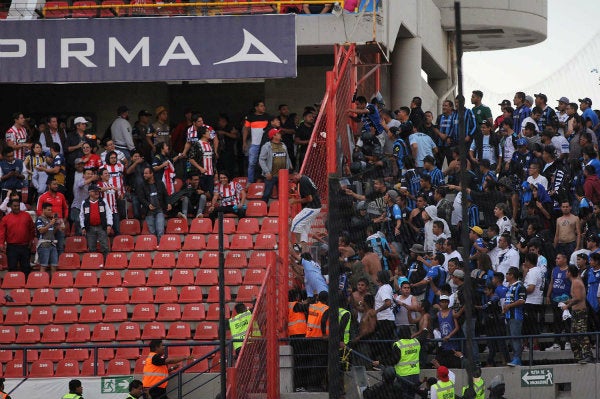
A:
504,225
534,277
384,293
561,144
540,179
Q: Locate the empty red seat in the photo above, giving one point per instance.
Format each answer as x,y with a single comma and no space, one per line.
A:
256,208
177,351
20,296
158,278
247,293
170,242
92,296
214,311
143,312
206,331
233,277
52,12
51,354
193,312
85,12
213,294
76,244
109,278
190,294
13,280
168,312
117,295
188,259
41,368
166,294
54,334
228,226
241,242
179,330
142,295
255,190
86,279
266,241
14,369
90,314
146,242
38,280
127,353
118,367
134,278
269,225
66,314
154,330
92,261
128,226
212,243
7,335
273,208
28,335
182,277
61,280
115,314
78,333
210,260
67,368
201,226
123,243
103,332
16,316
68,260
248,226
128,331
236,260
254,276
140,260
92,367
207,277
68,296
164,260
194,242
139,365
77,354
116,260
41,315
176,226
200,367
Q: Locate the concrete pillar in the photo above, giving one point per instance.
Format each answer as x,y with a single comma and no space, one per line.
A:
405,75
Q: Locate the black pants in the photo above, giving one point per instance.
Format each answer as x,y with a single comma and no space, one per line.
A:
158,393
18,258
385,332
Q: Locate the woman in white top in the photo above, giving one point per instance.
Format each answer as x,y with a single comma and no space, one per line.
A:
385,317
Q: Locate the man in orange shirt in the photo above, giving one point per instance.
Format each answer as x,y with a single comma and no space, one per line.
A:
156,369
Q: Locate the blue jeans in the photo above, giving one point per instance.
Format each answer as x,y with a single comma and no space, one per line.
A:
60,241
137,207
47,256
116,221
74,218
514,328
253,153
156,224
269,185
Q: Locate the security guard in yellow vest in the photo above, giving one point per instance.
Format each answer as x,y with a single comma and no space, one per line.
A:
156,369
238,325
478,385
444,388
75,390
136,389
344,318
405,354
3,395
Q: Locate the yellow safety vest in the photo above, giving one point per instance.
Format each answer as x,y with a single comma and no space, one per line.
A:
153,374
445,390
67,396
409,357
313,324
346,328
238,325
479,387
296,321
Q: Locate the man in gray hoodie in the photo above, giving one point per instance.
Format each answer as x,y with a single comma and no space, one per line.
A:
429,215
273,157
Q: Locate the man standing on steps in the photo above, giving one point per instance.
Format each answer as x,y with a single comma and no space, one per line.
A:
156,369
311,206
254,126
582,348
273,157
238,325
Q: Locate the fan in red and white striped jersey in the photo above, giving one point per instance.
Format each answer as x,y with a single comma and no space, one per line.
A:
16,136
168,178
115,172
229,193
109,192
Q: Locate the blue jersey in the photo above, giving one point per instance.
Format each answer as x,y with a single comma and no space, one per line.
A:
473,213
437,177
412,181
589,114
561,284
372,120
548,117
447,325
519,115
515,292
445,125
470,125
592,288
437,274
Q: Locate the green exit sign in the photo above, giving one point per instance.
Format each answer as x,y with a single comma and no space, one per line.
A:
116,384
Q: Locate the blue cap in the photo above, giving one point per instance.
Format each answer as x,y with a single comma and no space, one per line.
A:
521,141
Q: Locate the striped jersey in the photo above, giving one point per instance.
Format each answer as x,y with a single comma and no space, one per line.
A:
207,157
445,125
109,195
412,181
470,125
116,176
437,177
192,134
229,193
17,135
519,115
515,292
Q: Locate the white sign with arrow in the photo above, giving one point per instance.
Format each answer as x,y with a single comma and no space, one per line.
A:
536,377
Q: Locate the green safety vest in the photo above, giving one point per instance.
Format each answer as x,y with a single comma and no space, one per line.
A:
479,387
238,325
409,357
71,396
346,328
445,390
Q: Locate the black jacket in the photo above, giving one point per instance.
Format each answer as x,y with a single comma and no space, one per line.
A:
143,192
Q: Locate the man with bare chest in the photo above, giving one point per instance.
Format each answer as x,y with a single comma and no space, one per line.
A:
567,238
582,349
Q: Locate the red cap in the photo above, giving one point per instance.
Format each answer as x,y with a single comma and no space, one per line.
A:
272,133
442,373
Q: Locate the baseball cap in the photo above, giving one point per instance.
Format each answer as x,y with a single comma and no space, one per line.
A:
93,187
362,205
144,113
459,274
505,103
563,99
521,142
393,194
272,133
442,373
477,230
542,96
80,119
585,100
444,298
121,109
529,99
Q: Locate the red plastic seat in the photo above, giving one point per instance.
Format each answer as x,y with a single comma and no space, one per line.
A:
213,294
170,242
256,208
134,278
164,260
61,280
117,295
13,280
115,314
182,277
91,261
20,296
50,13
247,293
207,277
188,259
87,368
127,353
228,226
176,226
118,367
242,180
143,11
42,315
241,242
179,330
201,226
254,276
128,226
28,335
190,294
76,244
41,368
269,225
51,354
123,243
78,333
200,367
67,368
128,331
247,226
139,365
236,260
14,369
158,278
146,242
116,260
193,312
206,331
54,333
68,296
7,335
103,332
69,261
212,243
168,312
90,314
142,295
38,280
66,314
233,277
266,241
86,279
154,330
273,208
140,260
85,13
166,294
109,278
92,296
77,354
255,190
210,260
177,351
214,311
16,316
143,312
194,242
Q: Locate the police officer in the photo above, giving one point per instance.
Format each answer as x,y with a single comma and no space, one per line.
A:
156,369
238,325
406,353
443,388
478,386
3,395
75,390
136,389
